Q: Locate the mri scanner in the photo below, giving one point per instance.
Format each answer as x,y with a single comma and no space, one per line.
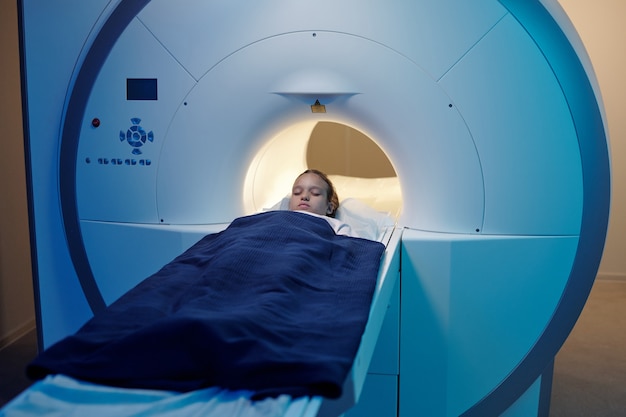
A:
152,123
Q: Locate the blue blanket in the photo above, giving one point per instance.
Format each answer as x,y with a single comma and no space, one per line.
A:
276,304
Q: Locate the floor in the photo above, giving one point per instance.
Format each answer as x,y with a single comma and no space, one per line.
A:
590,369
589,375
13,359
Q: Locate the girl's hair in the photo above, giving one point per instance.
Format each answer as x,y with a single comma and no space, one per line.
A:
333,198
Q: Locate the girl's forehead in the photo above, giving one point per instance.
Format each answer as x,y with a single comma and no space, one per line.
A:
310,180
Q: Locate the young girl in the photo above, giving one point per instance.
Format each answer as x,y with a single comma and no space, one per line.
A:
313,192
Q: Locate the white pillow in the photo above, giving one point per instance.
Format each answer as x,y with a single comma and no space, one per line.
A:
364,221
381,194
281,205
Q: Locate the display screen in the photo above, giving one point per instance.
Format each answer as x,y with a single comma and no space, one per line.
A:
141,89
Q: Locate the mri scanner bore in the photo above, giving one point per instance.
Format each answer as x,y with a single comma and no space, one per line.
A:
487,111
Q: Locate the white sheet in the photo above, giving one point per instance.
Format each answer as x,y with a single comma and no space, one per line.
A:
60,395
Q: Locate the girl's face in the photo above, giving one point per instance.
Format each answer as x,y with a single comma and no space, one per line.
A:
310,193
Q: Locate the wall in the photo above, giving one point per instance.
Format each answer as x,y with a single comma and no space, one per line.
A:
341,150
599,24
17,314
601,28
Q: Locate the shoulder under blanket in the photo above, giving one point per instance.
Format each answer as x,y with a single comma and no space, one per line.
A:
276,303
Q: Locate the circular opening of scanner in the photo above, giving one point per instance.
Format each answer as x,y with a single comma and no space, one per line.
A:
358,167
